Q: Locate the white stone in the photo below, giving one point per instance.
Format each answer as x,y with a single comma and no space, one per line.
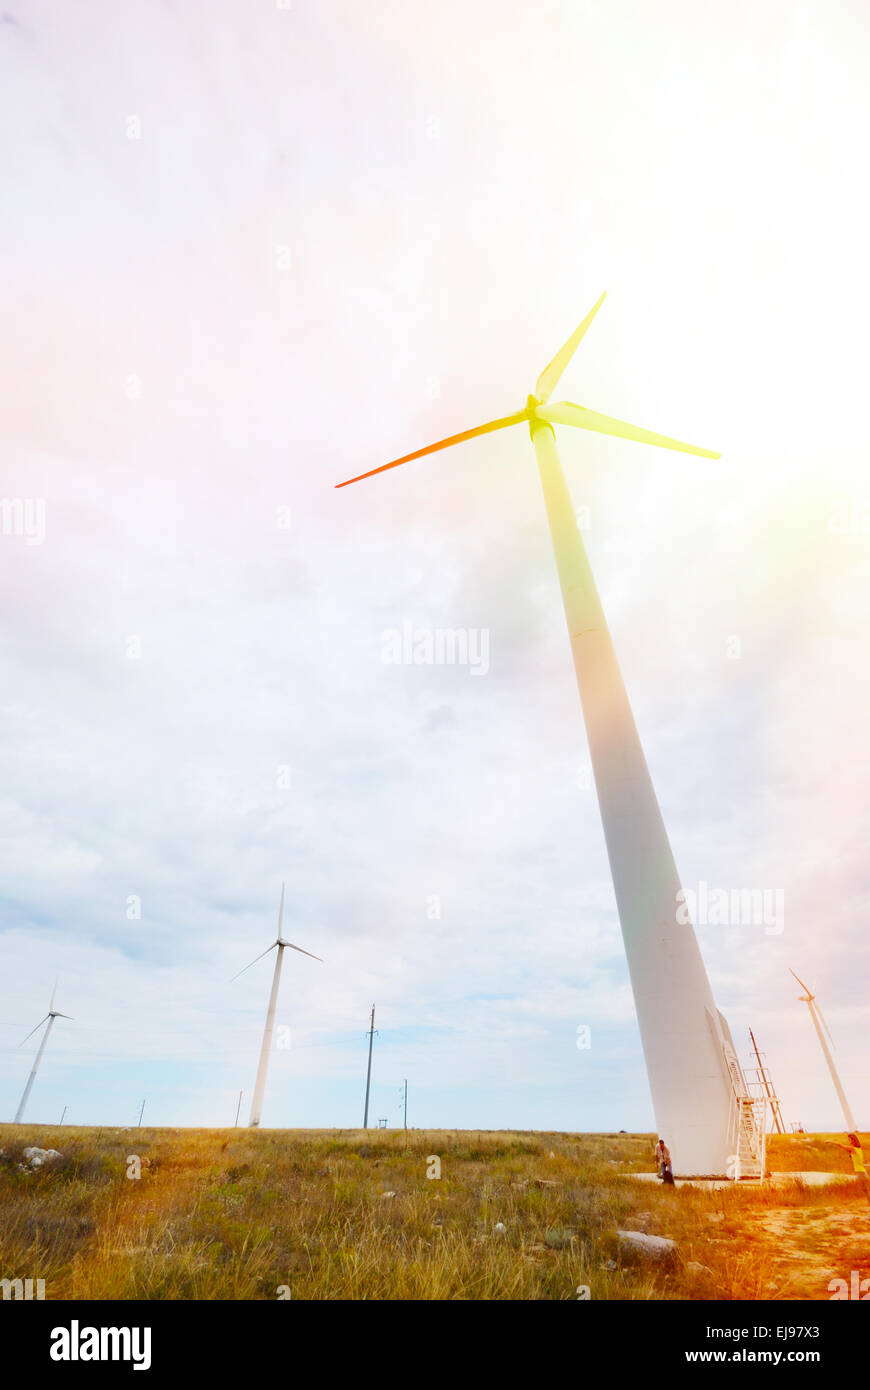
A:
38,1158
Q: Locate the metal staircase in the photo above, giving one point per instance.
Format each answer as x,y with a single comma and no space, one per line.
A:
747,1128
748,1113
749,1136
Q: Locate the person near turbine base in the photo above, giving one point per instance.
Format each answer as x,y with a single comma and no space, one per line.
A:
856,1153
663,1160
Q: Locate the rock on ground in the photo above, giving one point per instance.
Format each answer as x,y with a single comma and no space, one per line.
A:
38,1158
656,1246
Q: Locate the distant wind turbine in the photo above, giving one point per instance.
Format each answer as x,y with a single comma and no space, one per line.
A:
52,1014
694,1074
819,1023
260,1087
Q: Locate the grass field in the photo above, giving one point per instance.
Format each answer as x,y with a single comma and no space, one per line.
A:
343,1214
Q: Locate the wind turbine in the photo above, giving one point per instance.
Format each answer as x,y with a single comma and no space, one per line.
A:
260,1086
691,1061
52,1014
819,1023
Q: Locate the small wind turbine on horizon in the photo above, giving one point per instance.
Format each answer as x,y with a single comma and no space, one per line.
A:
52,1014
260,1086
694,1073
819,1023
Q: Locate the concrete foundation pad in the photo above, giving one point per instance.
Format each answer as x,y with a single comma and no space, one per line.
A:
711,1183
810,1179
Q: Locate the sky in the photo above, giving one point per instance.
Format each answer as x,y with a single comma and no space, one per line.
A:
252,249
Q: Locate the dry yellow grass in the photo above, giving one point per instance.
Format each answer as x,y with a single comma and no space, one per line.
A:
236,1214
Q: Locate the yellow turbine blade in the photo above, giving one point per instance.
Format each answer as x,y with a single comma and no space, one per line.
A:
549,378
501,424
567,413
809,992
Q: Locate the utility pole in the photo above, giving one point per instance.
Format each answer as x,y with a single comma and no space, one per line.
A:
141,1113
372,1031
238,1108
406,1104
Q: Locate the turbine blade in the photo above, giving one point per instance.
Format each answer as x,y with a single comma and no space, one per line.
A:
801,983
567,413
299,948
55,1014
281,913
34,1030
254,961
549,378
53,993
501,424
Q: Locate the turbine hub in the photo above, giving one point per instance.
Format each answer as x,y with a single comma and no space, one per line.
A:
535,424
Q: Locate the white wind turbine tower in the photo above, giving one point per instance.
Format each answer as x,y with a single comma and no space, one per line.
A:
260,1086
52,1014
697,1085
819,1023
